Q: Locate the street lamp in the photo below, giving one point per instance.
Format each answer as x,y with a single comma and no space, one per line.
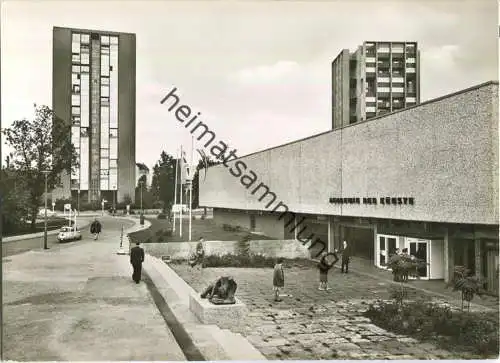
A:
78,199
141,183
114,191
45,247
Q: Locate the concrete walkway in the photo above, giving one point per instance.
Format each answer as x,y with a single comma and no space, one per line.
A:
80,303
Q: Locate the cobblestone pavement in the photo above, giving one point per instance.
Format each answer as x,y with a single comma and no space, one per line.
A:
313,324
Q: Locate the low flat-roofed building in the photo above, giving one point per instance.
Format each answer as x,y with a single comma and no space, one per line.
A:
425,178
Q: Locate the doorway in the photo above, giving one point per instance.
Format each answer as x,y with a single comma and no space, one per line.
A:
386,247
420,249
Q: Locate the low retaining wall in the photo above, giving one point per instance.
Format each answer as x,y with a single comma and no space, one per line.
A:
270,248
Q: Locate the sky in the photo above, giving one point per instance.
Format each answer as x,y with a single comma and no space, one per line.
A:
259,72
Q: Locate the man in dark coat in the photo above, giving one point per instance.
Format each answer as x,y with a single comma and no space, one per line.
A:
95,228
346,256
136,259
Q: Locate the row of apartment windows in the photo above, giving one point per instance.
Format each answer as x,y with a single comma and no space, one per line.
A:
85,132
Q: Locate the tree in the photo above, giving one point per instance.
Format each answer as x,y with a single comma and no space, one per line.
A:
14,199
404,266
162,183
468,284
41,144
202,164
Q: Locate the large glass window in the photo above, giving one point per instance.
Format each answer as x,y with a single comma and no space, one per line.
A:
104,91
113,40
105,154
105,49
75,135
85,69
113,163
105,81
113,148
75,58
104,39
75,100
104,65
75,110
84,163
85,58
85,38
75,68
85,99
113,132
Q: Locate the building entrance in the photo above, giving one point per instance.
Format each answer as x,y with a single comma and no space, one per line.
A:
386,247
420,249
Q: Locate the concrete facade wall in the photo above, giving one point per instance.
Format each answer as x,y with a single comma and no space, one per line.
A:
61,92
269,248
443,153
126,116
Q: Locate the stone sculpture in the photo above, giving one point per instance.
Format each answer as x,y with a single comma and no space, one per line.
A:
221,292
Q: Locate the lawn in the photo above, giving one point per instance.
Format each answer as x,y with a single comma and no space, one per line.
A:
53,223
205,228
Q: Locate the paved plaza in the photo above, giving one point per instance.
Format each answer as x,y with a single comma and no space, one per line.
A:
78,302
313,324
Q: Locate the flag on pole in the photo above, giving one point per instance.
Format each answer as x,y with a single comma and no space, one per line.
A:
204,159
185,169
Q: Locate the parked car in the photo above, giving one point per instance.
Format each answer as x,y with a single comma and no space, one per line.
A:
69,234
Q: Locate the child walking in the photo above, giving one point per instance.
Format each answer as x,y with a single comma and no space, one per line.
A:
324,267
278,279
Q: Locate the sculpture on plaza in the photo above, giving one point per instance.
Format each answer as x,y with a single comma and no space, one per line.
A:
221,292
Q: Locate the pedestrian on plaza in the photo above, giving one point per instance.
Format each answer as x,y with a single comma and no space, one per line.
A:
95,229
346,256
136,260
199,255
278,279
404,273
324,267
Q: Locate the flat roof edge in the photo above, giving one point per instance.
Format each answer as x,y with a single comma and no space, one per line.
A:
440,98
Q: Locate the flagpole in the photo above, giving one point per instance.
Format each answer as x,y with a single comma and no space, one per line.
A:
191,175
180,209
175,186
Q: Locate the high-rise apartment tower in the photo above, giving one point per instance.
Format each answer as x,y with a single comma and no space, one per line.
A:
93,88
377,78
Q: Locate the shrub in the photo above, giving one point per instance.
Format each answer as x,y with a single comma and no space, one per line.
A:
160,239
202,216
455,330
230,260
162,216
168,233
468,284
148,240
159,232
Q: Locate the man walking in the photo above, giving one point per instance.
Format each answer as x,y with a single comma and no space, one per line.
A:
136,259
346,255
95,229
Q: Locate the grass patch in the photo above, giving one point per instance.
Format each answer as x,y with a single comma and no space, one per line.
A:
457,331
53,223
205,228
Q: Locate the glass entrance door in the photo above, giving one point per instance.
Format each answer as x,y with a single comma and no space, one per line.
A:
420,249
385,248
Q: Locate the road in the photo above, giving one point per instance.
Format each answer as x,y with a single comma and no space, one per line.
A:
16,247
77,302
